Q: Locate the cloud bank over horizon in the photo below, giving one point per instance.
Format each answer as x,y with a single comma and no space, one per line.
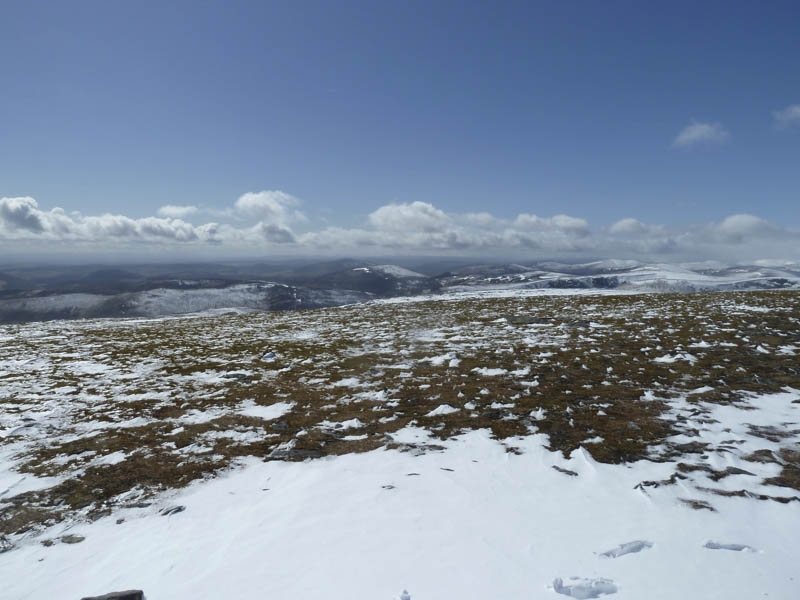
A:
272,222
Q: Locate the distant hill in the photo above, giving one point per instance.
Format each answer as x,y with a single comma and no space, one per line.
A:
105,276
9,282
381,280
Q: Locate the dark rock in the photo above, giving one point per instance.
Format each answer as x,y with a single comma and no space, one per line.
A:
697,504
295,453
565,471
304,453
522,320
731,471
281,425
495,414
5,544
72,538
172,510
240,377
577,323
126,595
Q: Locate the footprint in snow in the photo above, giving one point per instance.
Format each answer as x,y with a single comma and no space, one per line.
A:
735,547
627,548
582,589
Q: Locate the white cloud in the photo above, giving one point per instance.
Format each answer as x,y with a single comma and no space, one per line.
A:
696,134
170,211
21,214
483,219
738,228
788,117
415,227
21,218
633,227
416,216
270,206
277,234
563,223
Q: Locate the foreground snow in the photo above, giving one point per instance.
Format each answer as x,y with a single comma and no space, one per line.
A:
471,521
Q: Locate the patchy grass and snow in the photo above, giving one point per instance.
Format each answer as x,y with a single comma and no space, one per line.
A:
540,445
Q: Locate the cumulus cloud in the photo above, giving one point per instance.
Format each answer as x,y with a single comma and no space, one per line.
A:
21,218
563,223
264,220
270,206
416,216
170,211
631,226
738,228
701,134
483,219
277,234
788,117
21,214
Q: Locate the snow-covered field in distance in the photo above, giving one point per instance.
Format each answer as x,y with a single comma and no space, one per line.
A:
492,443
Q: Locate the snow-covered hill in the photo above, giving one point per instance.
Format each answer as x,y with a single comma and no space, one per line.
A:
631,275
171,301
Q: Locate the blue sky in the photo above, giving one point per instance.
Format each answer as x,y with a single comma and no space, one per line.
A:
528,108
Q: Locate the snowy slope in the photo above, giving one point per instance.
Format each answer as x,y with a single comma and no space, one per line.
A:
472,521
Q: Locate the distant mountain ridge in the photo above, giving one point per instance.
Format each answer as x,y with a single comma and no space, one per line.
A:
179,289
632,275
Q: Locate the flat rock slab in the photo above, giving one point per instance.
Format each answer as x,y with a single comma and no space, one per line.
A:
127,595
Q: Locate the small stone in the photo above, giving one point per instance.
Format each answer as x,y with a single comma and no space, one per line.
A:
281,425
72,538
126,595
565,471
172,510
